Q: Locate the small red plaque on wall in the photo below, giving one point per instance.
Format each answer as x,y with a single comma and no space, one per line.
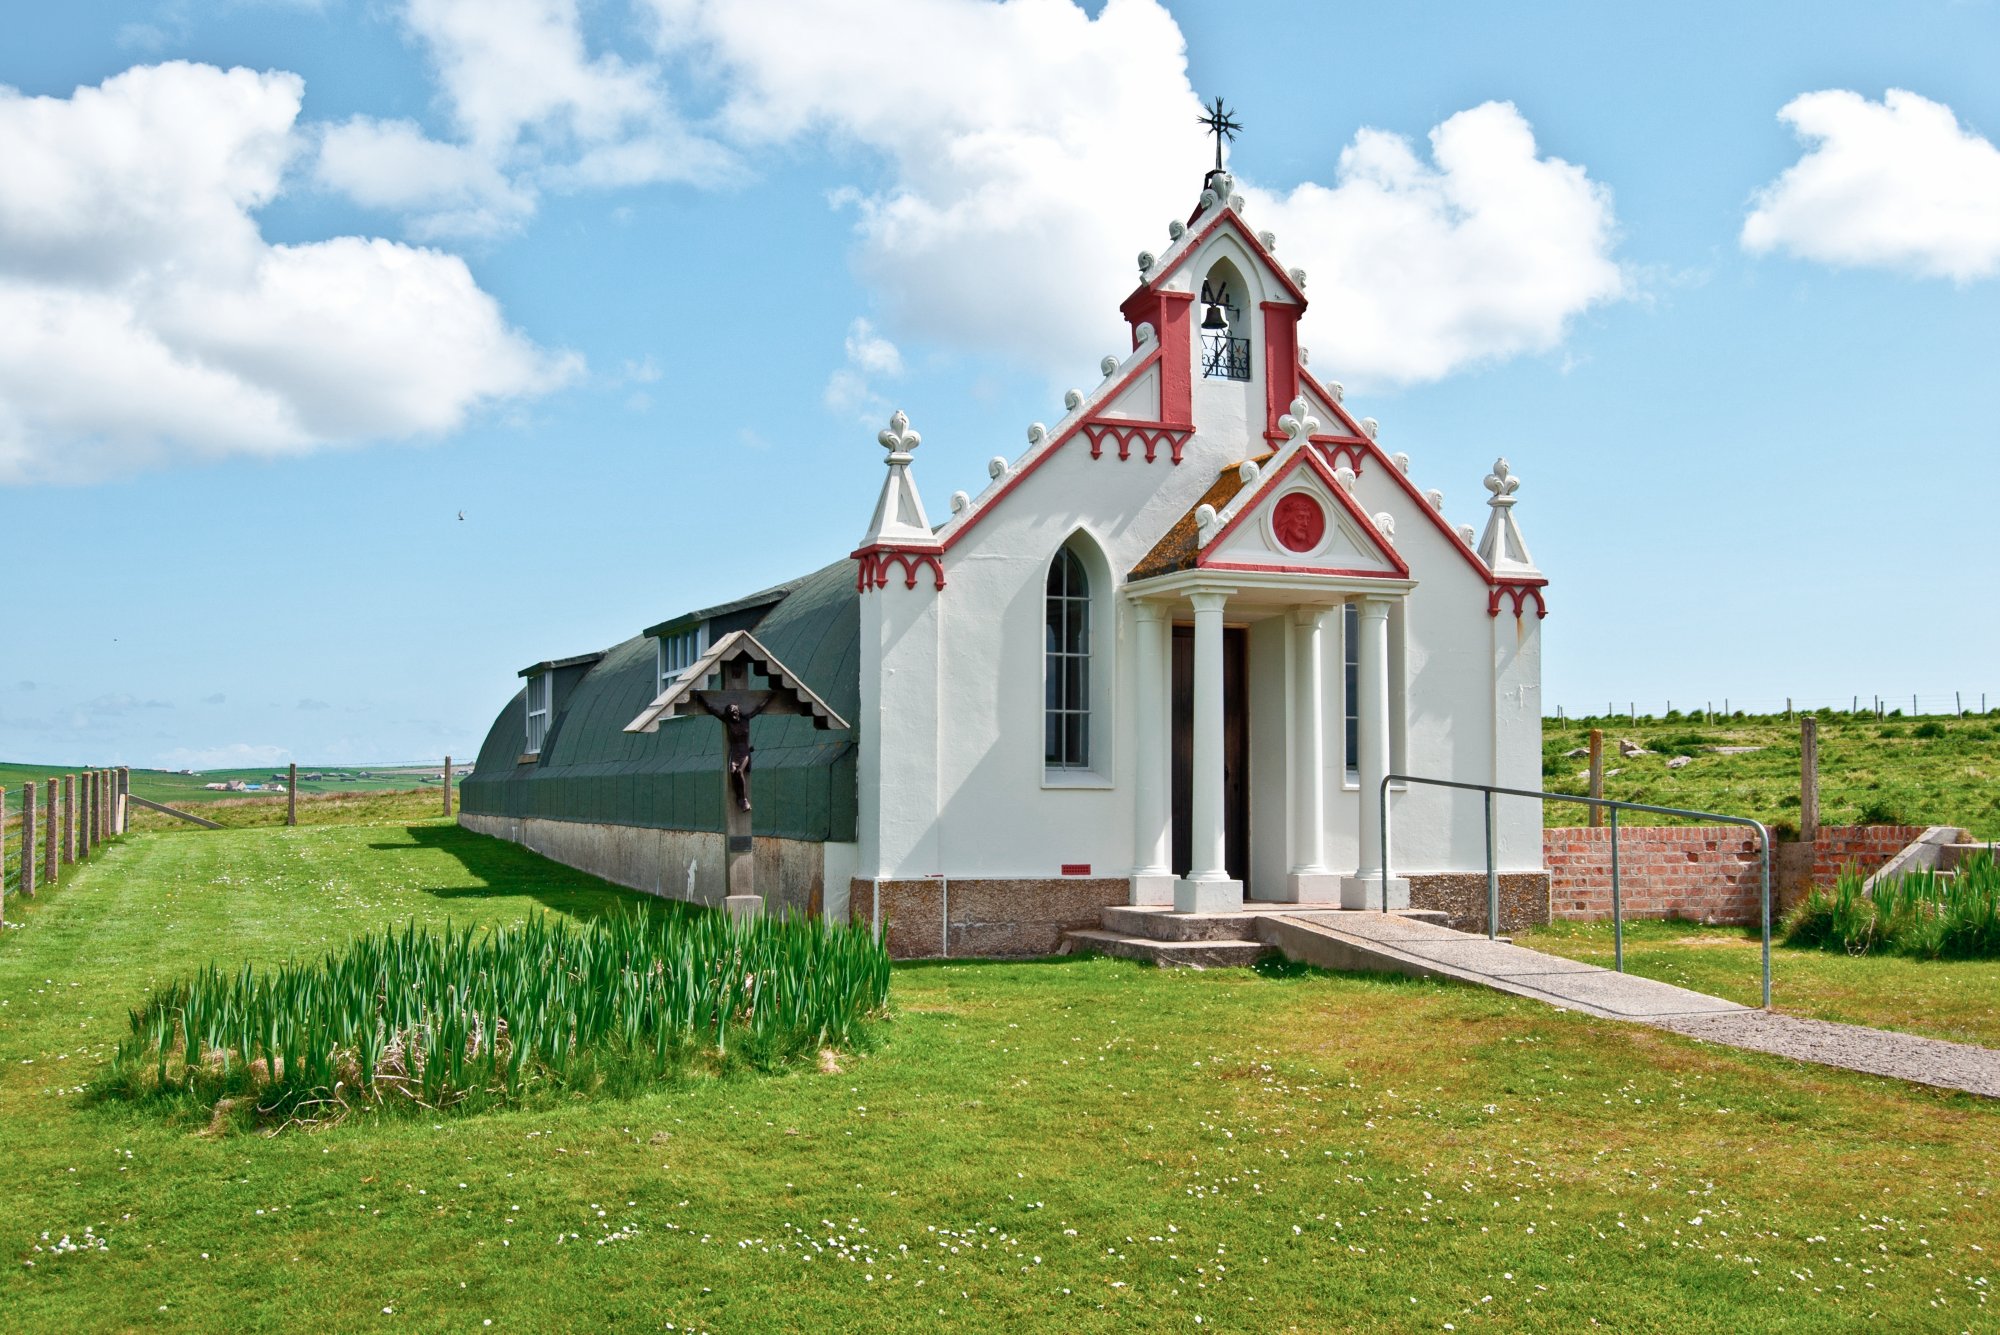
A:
1076,869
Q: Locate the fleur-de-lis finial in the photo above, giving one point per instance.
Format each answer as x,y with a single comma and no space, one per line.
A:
898,439
1502,483
1299,421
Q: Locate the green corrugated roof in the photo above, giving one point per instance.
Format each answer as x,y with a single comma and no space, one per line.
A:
591,769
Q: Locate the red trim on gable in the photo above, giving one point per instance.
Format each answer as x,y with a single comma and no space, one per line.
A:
1255,567
1479,567
1126,430
1265,485
872,572
1054,443
1225,215
1281,359
1520,591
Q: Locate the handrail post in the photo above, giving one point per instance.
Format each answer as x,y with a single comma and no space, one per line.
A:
1385,841
1617,903
1764,875
1492,876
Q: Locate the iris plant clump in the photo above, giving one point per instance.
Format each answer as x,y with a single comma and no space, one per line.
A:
1931,915
435,1019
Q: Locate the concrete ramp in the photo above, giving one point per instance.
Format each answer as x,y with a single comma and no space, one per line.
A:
1392,943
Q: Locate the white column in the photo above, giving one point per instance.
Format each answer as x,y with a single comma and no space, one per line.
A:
1309,881
1152,788
1207,887
1364,889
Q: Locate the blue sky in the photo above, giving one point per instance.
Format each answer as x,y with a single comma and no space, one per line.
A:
632,283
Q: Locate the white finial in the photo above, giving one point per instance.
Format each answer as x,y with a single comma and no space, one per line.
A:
1369,427
1147,259
1501,545
1268,240
1305,357
1146,332
1298,278
898,439
1176,229
1385,523
899,512
1402,462
1236,202
1204,524
1299,422
1436,498
1338,390
1465,532
1345,477
1247,471
1108,367
1073,399
1208,200
960,502
1036,431
996,467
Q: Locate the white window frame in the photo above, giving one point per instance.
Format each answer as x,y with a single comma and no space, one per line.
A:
676,653
541,694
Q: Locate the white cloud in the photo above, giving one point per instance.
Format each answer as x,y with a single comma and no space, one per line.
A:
1033,151
144,318
236,755
1419,269
533,108
850,389
1897,184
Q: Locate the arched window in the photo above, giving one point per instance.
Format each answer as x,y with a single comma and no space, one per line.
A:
1066,648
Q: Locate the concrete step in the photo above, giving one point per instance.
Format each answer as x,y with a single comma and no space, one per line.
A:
1159,923
1952,856
1200,954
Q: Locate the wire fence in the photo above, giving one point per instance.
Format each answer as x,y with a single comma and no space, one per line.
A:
1874,704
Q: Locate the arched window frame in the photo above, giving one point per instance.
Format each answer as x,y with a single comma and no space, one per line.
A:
1076,677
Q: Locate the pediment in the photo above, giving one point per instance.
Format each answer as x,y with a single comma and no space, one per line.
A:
1304,520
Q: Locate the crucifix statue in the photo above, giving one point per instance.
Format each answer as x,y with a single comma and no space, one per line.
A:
734,703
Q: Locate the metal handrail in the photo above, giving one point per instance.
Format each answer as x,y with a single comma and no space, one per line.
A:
1617,908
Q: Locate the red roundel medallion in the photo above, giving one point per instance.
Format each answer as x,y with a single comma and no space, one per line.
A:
1298,521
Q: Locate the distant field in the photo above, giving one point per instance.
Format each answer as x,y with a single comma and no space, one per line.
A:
1927,771
175,788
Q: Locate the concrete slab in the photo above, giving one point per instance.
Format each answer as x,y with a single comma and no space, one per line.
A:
1497,958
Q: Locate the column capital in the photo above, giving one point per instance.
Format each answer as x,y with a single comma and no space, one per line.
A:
1375,607
1209,600
1148,609
1307,614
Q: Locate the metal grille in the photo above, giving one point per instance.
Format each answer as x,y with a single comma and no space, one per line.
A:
1225,357
1066,686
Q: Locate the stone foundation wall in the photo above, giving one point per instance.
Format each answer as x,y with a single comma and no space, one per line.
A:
674,864
939,917
1524,898
1703,873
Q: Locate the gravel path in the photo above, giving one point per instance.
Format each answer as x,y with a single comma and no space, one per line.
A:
1927,1061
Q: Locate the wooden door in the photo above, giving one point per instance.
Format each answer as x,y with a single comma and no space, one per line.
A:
1235,750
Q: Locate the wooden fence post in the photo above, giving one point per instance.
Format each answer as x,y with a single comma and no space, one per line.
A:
3,857
86,816
69,819
122,782
27,839
292,793
447,785
96,808
1596,775
49,839
1808,778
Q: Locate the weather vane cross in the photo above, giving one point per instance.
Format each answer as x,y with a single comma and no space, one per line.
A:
1222,125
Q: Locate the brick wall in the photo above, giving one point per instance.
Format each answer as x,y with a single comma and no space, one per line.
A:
1703,873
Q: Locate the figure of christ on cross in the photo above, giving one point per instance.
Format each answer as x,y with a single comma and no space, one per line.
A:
736,728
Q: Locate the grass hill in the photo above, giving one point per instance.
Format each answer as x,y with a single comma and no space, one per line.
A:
1891,771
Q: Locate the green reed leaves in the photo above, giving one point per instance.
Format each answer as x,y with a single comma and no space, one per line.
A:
442,1018
1926,914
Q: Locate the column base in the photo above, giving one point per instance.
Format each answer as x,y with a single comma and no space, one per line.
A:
1311,887
1196,896
1365,892
1152,887
743,906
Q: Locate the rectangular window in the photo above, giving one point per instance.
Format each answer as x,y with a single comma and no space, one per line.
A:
540,689
677,653
1350,647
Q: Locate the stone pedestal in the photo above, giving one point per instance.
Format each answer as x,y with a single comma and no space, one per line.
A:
1319,887
1207,896
1152,888
1365,892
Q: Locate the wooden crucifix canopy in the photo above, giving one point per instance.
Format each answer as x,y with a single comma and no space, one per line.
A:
734,656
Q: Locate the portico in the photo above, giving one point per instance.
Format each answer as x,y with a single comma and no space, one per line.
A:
1294,613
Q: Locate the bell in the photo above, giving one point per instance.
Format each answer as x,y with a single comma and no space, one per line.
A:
1214,319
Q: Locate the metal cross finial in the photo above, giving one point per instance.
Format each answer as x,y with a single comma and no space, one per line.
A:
1222,125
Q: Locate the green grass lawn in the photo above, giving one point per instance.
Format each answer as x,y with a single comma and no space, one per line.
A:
1083,1145
1931,771
1952,999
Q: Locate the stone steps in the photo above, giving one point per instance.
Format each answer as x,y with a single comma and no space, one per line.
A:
1199,954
